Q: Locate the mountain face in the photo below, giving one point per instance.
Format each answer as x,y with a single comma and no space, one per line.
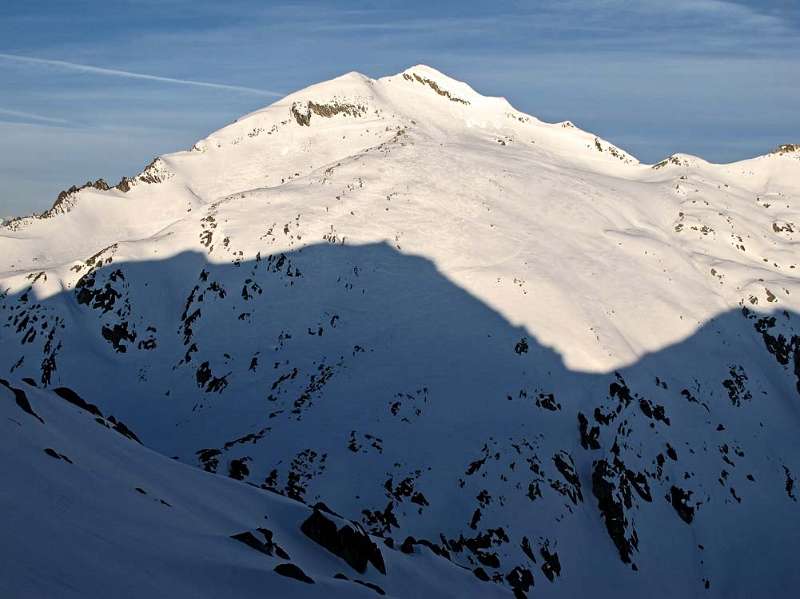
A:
500,356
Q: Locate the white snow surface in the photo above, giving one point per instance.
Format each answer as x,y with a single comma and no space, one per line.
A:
402,298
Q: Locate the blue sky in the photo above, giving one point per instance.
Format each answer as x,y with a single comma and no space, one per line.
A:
97,88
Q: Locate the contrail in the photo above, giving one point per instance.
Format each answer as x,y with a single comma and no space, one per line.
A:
85,68
32,116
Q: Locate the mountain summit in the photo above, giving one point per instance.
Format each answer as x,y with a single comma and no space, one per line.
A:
441,347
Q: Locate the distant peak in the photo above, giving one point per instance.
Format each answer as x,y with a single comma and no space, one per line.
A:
786,149
452,89
430,72
679,159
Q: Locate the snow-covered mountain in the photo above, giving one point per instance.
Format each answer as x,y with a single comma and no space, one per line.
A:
520,359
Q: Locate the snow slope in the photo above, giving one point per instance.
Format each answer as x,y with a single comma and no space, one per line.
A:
452,321
91,513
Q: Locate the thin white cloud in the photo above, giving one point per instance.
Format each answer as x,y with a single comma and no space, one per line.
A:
32,116
84,68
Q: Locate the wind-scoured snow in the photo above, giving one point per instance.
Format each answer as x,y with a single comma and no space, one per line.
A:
449,321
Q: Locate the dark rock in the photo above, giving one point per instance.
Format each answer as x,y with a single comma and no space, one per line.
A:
291,571
238,470
525,545
124,184
410,542
22,400
611,508
372,586
789,484
381,522
673,455
488,559
271,546
209,458
589,437
548,402
358,549
551,566
117,334
351,544
249,539
322,531
267,547
76,400
680,501
736,386
408,545
123,430
54,454
520,580
565,465
419,499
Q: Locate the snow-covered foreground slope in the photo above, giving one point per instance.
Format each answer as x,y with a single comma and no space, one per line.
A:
451,321
90,512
